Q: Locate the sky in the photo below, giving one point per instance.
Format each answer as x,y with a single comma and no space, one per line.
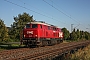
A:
61,13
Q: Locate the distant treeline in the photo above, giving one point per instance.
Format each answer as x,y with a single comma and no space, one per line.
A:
12,34
76,35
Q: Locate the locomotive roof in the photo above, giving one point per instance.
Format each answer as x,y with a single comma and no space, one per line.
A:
43,23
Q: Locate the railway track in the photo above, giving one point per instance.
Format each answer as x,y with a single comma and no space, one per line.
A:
40,52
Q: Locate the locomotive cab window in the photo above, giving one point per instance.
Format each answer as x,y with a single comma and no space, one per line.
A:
28,26
48,27
34,26
41,26
53,28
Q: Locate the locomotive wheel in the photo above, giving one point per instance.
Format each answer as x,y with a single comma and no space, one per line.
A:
49,42
61,41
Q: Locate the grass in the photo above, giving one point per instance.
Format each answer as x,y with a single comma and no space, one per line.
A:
83,54
8,46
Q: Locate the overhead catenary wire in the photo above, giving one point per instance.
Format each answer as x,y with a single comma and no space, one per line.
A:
60,10
32,6
43,12
79,23
34,11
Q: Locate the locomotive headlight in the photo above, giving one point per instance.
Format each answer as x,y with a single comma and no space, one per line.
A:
36,35
24,35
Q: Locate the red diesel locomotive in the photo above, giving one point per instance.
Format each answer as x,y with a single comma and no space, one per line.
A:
41,34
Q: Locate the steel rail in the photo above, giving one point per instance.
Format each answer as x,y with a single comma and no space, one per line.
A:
42,52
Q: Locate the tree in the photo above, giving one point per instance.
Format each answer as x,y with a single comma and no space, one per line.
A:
19,23
73,35
3,31
66,33
82,35
87,35
78,34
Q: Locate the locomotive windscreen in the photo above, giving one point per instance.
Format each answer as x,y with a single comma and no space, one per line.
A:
31,26
28,26
34,25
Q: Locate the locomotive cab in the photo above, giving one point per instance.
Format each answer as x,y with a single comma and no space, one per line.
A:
30,34
30,31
